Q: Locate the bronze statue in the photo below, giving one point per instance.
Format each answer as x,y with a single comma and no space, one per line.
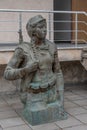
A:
37,65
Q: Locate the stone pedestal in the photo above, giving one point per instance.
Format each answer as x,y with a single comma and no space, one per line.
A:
39,112
46,107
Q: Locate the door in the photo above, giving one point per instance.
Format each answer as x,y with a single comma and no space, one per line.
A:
80,5
62,26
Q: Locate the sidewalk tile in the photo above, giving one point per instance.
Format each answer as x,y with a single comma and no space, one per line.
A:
85,107
7,114
1,128
48,126
81,102
68,122
69,104
5,107
17,105
80,127
22,127
67,93
76,111
13,100
11,122
82,118
74,97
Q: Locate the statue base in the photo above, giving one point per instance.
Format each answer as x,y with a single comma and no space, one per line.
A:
39,113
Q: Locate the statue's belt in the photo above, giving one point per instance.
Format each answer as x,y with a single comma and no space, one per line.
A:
41,88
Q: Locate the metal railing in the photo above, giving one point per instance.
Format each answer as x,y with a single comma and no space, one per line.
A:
11,23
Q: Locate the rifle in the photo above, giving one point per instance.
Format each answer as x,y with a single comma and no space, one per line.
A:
20,29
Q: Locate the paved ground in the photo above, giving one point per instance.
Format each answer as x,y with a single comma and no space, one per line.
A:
75,105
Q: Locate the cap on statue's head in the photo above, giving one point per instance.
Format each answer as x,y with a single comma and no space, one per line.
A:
36,19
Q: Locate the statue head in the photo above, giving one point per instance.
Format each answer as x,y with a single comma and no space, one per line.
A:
36,27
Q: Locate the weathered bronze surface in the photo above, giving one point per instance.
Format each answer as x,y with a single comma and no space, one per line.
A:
36,64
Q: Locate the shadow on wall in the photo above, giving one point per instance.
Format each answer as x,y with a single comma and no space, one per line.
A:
74,72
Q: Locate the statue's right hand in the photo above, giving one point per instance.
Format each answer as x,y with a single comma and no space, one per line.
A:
30,67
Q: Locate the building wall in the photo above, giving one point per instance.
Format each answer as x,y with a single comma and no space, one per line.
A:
11,28
74,72
26,4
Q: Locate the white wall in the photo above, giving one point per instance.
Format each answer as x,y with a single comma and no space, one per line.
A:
12,27
27,4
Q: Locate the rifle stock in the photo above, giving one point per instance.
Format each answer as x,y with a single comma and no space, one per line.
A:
20,36
20,29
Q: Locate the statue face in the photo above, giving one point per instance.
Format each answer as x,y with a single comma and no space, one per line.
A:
37,27
41,30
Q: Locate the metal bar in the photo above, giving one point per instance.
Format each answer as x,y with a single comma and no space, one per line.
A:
76,29
72,40
42,11
8,31
63,31
20,28
50,31
49,15
9,21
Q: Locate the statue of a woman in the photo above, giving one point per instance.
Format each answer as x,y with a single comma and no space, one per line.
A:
36,64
